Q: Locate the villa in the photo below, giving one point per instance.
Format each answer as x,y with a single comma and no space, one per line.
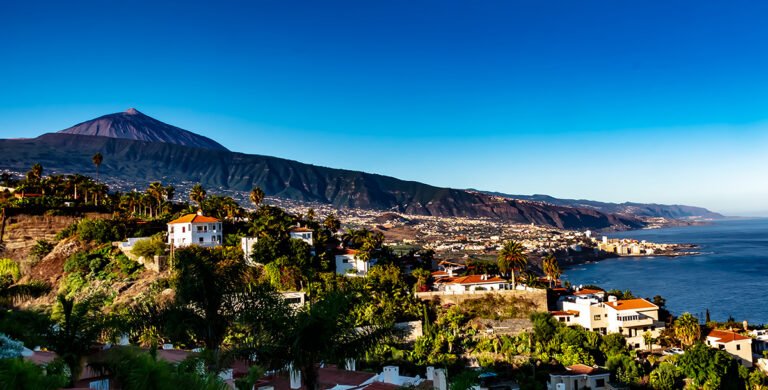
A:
580,376
739,346
471,283
630,317
195,229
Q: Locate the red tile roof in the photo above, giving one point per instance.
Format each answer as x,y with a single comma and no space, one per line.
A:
724,336
344,251
328,376
382,386
473,279
588,291
193,218
583,369
301,230
631,304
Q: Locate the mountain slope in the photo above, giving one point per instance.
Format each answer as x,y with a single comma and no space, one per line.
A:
134,161
626,208
134,125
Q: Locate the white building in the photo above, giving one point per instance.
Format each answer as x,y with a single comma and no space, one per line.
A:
580,376
349,264
195,229
738,346
471,283
629,317
303,234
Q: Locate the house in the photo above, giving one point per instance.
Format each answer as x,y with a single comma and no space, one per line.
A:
301,233
567,317
739,346
347,378
632,318
471,283
348,263
759,341
629,317
580,376
195,229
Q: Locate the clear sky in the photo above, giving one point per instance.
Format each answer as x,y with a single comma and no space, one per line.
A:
650,101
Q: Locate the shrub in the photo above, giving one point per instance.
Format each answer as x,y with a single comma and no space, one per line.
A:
99,230
147,248
41,249
10,268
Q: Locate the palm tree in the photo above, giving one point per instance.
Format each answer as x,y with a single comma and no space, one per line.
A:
156,192
648,340
197,194
551,268
322,332
257,196
512,257
77,326
687,329
97,159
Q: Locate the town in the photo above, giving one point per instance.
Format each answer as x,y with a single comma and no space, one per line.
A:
144,289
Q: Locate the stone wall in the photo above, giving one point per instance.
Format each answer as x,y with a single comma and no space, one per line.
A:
537,296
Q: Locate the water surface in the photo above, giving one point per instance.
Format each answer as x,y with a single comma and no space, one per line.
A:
728,278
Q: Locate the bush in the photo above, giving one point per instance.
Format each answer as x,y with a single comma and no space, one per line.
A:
147,248
41,249
99,230
10,268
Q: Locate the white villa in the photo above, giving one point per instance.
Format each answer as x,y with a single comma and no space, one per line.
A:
630,317
195,229
246,244
739,346
471,283
580,376
348,264
303,234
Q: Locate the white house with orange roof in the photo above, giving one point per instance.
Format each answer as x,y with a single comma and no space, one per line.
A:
580,376
471,283
302,233
348,263
195,229
739,346
632,318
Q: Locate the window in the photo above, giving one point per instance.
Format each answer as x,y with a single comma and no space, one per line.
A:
201,240
171,229
738,347
599,383
183,229
597,317
199,228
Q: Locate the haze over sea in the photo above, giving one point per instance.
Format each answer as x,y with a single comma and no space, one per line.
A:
728,277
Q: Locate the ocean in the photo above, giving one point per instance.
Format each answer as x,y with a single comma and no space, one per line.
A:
729,277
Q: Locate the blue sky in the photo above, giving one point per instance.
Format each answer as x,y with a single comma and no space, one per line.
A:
614,101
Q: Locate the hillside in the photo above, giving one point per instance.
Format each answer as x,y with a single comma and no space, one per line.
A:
626,208
131,161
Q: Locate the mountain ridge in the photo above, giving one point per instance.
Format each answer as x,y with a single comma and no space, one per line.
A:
132,124
138,148
125,160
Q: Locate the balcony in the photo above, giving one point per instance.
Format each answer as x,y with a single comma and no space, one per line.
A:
634,321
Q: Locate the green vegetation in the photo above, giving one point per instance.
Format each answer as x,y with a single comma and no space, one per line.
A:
150,247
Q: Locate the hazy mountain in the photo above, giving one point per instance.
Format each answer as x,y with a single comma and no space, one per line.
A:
626,208
134,125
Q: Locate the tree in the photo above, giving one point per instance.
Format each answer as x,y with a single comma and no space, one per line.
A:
97,159
332,223
687,329
257,196
664,377
648,340
77,326
197,194
551,268
512,257
20,374
322,332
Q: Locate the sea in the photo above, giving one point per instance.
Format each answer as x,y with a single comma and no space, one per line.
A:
729,276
